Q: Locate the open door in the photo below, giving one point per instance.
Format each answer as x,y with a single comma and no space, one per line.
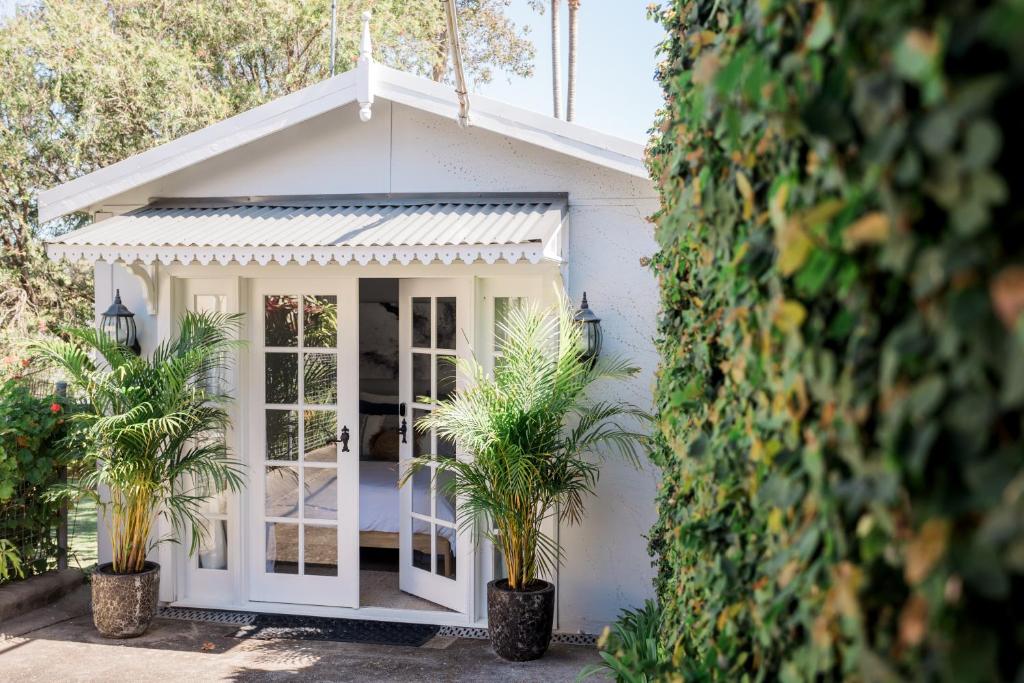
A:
436,320
304,472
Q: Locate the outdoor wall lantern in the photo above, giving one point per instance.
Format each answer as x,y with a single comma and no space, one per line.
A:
591,339
119,323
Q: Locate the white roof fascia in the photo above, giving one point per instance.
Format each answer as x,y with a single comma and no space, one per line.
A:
532,253
199,146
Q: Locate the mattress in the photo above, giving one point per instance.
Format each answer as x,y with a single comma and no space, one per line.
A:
378,500
378,497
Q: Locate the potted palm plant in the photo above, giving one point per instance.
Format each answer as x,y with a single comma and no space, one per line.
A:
532,432
149,436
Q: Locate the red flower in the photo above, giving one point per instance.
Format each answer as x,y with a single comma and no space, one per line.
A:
54,407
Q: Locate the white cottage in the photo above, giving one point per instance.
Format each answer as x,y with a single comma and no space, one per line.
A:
361,194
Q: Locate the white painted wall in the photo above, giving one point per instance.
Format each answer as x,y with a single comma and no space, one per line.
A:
404,150
108,278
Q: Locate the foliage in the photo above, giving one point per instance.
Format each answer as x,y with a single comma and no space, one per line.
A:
87,83
152,432
842,383
10,561
630,649
529,426
30,462
34,297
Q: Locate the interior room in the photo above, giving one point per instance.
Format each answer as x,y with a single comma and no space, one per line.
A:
378,448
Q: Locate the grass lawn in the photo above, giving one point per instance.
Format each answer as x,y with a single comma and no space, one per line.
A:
82,535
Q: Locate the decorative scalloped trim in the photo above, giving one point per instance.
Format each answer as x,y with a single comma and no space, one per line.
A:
511,253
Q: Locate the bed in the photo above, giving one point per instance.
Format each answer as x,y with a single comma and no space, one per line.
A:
378,514
378,506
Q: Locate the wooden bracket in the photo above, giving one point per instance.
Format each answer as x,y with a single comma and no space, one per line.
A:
147,275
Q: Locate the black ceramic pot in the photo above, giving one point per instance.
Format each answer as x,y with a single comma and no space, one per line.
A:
519,622
124,604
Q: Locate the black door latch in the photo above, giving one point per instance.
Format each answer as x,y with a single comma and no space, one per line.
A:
404,429
343,439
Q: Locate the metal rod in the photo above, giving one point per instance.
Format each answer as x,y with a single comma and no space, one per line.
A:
456,50
334,28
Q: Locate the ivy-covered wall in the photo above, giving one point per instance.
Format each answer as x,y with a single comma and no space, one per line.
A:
841,394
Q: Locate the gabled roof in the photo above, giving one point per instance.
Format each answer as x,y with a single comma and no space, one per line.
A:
358,85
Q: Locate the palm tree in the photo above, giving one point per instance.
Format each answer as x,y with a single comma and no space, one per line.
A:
529,426
150,431
570,109
556,59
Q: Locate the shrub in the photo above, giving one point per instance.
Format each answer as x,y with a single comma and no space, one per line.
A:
842,382
30,462
630,648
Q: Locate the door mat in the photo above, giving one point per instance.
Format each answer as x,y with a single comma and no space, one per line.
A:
293,627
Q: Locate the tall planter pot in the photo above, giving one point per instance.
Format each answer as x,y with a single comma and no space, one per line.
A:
123,605
519,621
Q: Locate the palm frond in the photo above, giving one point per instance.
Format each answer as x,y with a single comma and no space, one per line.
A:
150,430
529,425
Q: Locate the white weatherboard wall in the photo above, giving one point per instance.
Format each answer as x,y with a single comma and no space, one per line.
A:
404,150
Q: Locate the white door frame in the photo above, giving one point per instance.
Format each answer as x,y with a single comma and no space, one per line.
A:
483,283
194,581
341,590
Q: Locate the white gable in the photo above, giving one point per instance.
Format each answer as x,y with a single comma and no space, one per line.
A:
366,83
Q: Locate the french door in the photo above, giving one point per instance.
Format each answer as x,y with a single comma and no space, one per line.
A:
304,472
436,323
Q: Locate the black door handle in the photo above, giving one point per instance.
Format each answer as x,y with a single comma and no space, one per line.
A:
404,429
343,439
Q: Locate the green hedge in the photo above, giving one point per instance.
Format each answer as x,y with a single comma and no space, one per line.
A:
30,463
842,386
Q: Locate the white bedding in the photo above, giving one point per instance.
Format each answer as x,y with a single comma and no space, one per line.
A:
378,497
378,500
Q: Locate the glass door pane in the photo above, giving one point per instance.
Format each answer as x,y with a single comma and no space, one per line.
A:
211,574
433,332
433,320
301,475
305,546
213,550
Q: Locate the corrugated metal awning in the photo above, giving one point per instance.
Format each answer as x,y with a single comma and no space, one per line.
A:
325,230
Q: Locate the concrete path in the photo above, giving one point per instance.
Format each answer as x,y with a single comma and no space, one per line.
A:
59,643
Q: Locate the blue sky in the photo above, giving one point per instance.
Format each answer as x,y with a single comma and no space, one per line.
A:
616,92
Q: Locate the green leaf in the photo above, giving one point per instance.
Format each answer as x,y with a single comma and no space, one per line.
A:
821,28
917,54
981,144
938,131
